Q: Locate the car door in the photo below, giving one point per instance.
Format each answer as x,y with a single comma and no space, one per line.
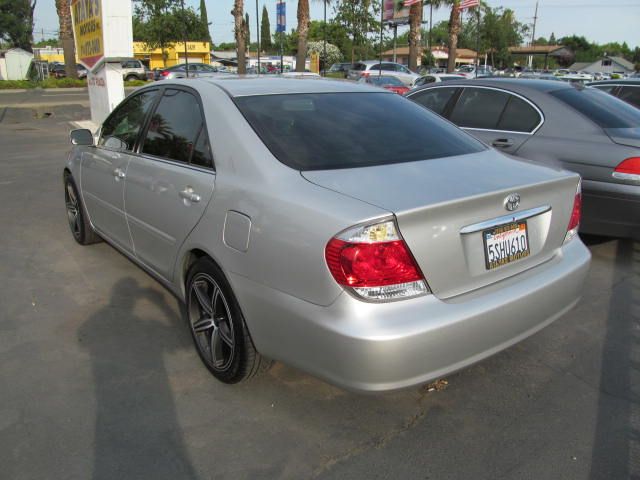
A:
170,181
501,119
103,169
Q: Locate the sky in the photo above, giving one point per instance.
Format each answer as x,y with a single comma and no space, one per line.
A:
599,21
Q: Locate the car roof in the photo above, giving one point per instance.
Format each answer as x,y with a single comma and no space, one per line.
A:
242,86
514,84
374,62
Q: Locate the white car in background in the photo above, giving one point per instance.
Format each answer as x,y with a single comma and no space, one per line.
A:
375,67
437,77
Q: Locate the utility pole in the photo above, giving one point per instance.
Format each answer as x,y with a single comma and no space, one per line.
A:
324,46
533,34
257,35
184,39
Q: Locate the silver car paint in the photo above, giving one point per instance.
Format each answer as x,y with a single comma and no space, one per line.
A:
295,310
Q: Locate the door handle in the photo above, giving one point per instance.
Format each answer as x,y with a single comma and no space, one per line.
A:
118,174
502,143
189,194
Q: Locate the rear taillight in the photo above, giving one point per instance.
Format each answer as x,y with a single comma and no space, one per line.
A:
374,262
364,74
574,221
164,73
629,169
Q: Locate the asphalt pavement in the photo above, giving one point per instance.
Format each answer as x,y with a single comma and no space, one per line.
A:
99,379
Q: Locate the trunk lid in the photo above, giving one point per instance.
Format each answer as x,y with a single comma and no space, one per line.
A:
443,205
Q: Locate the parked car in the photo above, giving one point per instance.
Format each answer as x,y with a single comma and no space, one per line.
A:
627,89
330,225
180,71
580,129
341,68
437,77
387,82
58,70
469,71
133,69
370,67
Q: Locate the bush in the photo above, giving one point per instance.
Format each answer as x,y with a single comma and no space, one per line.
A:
56,83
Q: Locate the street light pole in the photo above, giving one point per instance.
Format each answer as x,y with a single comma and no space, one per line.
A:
184,40
258,35
324,28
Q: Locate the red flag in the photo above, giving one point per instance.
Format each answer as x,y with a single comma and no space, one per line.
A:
408,3
464,4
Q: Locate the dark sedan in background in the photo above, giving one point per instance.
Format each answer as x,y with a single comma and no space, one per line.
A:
578,128
627,89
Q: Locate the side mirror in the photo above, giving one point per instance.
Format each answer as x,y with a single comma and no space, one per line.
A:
81,136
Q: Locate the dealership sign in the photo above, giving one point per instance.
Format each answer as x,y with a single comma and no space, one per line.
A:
88,30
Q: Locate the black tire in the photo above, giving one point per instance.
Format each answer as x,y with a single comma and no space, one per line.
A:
79,224
224,344
130,78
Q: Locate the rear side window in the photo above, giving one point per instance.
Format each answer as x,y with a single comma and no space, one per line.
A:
120,131
518,116
360,66
174,126
605,110
630,95
479,108
345,130
435,99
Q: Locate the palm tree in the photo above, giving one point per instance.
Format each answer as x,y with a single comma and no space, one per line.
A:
454,30
240,32
303,32
63,7
415,24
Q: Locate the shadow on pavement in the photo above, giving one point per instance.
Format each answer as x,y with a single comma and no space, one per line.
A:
136,432
616,448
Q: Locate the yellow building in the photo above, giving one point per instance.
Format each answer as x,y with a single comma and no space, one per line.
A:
197,52
49,54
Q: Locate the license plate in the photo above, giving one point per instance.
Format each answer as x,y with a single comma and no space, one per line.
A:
505,244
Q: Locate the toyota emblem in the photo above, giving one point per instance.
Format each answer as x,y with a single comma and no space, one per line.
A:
512,202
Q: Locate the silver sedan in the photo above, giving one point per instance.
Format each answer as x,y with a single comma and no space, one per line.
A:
335,227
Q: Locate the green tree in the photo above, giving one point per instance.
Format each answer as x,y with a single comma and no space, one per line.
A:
162,23
334,54
205,22
552,39
265,31
359,18
16,23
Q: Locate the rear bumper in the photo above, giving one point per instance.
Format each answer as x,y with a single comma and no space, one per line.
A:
610,209
377,347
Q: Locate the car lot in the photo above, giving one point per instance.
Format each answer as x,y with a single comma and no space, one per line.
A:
99,377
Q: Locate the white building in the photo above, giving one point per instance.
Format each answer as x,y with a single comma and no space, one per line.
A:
14,64
605,64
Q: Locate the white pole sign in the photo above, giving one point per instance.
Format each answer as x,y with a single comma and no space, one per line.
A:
103,35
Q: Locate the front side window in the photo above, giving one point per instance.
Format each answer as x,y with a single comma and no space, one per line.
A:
323,131
120,131
174,126
435,99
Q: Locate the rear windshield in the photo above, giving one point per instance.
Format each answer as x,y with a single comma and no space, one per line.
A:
604,109
344,130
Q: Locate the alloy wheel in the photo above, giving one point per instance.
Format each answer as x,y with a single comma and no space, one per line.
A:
211,322
73,209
